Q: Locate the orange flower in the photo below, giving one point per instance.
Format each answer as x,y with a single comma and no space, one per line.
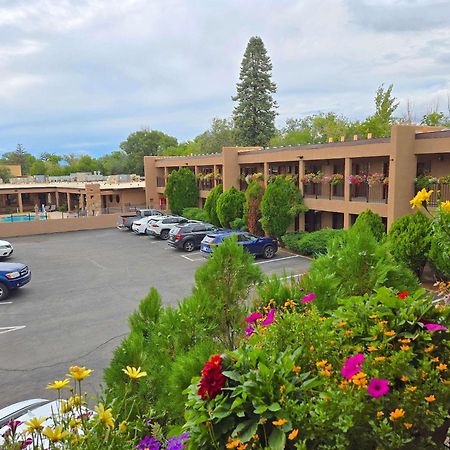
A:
442,367
296,369
380,358
430,399
293,434
311,349
436,359
404,348
407,425
405,341
373,316
429,349
360,379
322,363
411,388
396,414
404,378
279,422
348,331
380,413
389,333
233,443
342,323
383,322
371,348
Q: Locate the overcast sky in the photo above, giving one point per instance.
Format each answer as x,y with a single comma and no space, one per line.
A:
80,75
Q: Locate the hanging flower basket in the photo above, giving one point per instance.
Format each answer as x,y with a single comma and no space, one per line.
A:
356,179
375,178
312,178
336,178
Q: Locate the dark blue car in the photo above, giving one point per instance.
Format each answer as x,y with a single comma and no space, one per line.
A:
264,246
12,276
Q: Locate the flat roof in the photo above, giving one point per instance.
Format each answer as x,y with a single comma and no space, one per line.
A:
73,185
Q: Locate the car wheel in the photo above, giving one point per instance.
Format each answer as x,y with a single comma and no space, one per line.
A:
269,252
189,246
164,235
4,292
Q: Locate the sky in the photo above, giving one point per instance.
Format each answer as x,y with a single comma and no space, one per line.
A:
78,76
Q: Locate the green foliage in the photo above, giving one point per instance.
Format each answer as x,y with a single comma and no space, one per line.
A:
195,214
281,202
114,163
19,156
5,173
181,190
310,244
287,377
252,207
254,114
63,208
372,221
230,206
355,264
436,119
211,205
238,224
38,168
409,241
440,244
224,284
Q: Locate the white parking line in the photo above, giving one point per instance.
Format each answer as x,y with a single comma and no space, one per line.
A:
4,330
296,276
278,259
5,303
192,260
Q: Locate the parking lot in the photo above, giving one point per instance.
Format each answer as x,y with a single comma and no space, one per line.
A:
75,310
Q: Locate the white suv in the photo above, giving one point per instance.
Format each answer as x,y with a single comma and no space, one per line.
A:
161,226
139,226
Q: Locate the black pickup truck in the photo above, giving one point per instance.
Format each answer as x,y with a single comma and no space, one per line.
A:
126,220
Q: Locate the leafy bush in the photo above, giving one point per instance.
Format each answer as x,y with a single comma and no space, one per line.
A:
369,376
252,207
211,205
409,241
281,202
195,214
238,224
310,244
373,222
440,243
355,264
181,190
230,206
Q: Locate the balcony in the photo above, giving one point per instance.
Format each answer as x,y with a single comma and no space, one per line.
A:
363,192
441,191
324,190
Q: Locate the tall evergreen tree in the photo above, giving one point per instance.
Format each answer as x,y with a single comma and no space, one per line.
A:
254,114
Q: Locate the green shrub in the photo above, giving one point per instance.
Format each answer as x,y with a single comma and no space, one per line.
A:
409,241
281,202
230,206
374,223
284,387
310,244
211,205
181,190
195,214
252,207
440,244
238,224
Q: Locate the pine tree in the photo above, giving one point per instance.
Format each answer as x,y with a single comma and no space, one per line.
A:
254,115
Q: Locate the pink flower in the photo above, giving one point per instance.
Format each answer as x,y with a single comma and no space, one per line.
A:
378,387
352,366
309,298
269,319
435,327
253,317
249,331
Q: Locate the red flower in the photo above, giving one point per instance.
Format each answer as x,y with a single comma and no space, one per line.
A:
403,295
212,380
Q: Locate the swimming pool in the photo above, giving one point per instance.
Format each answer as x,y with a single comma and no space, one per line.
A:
22,218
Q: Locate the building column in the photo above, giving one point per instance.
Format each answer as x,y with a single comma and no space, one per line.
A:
301,174
166,174
346,221
266,173
81,202
214,177
347,173
19,201
69,206
57,199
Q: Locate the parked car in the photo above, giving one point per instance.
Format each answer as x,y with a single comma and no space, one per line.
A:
258,246
140,226
12,276
6,249
161,226
188,236
125,221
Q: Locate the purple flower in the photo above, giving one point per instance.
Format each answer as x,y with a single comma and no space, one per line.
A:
253,317
13,424
177,443
352,366
378,387
269,319
149,443
435,327
249,331
308,298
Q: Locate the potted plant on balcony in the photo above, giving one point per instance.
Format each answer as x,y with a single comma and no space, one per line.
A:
375,178
208,176
357,179
217,175
425,181
336,178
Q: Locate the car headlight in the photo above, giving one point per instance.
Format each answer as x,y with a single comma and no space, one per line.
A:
13,275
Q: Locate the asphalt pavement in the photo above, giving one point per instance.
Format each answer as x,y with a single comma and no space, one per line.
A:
75,309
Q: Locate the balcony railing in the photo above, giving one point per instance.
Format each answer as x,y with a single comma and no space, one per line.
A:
324,191
363,192
205,185
440,191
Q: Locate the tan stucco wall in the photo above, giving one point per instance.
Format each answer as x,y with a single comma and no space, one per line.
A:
15,169
57,225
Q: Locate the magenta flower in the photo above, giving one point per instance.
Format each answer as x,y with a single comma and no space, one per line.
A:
435,327
249,331
308,298
253,317
269,319
352,366
378,387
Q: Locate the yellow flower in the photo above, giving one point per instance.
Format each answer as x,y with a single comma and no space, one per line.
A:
134,373
65,407
429,349
360,379
311,349
296,369
430,399
436,359
105,415
35,424
442,367
293,434
342,323
79,373
279,422
74,423
325,373
405,341
404,378
389,333
404,348
446,206
322,363
421,196
373,316
383,322
58,384
407,425
348,331
380,413
380,358
372,348
411,388
396,414
123,426
233,443
75,400
55,435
